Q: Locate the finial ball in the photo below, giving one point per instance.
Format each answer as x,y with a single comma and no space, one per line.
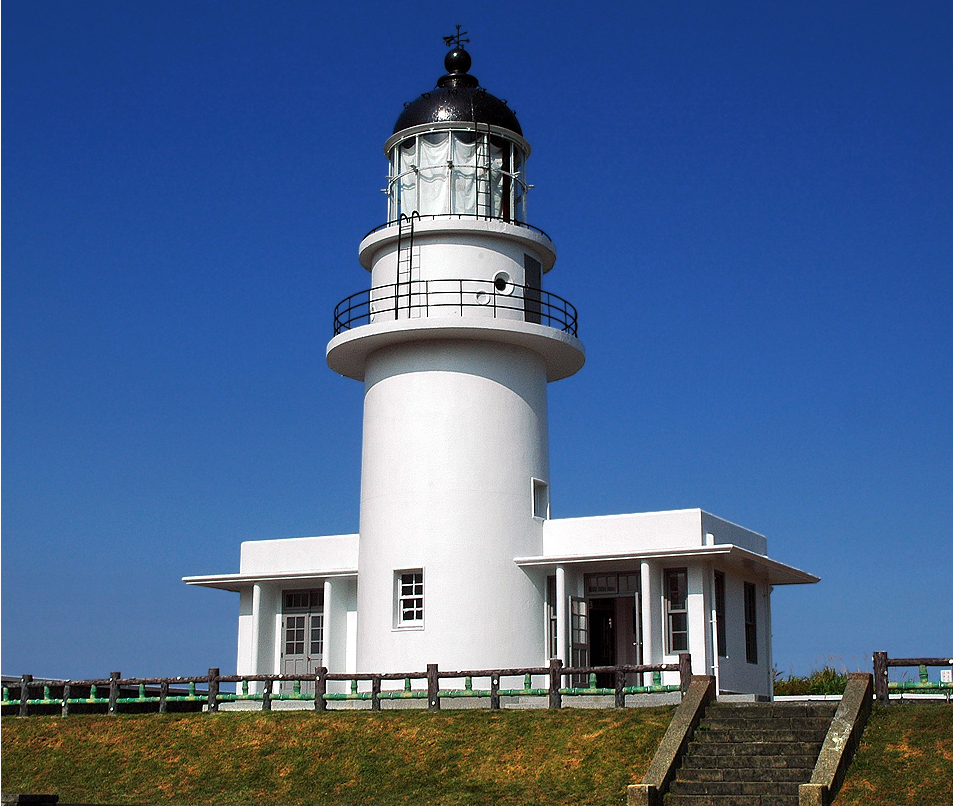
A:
457,61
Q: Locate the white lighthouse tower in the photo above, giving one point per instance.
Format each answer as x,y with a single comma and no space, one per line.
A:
455,341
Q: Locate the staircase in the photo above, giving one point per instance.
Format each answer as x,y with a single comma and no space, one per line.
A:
752,754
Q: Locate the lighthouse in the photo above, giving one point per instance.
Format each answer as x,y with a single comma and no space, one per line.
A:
455,342
457,561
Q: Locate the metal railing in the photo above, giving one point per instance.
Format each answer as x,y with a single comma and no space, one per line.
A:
420,299
206,692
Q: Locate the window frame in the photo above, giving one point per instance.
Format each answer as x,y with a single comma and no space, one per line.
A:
751,622
672,612
401,622
721,630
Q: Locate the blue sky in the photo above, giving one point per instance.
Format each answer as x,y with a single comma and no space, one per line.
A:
752,205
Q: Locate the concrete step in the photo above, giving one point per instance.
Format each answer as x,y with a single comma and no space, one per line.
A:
733,721
730,800
779,775
705,735
774,710
725,788
709,749
700,761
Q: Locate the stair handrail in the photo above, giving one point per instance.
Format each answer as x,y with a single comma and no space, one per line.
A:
668,757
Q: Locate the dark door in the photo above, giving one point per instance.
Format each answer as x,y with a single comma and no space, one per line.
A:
602,638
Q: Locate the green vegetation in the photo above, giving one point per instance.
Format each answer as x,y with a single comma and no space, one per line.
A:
905,758
412,757
821,681
342,758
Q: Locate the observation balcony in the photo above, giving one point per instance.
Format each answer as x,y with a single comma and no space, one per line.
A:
418,299
457,309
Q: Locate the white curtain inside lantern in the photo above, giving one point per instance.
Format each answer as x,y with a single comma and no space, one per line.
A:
450,172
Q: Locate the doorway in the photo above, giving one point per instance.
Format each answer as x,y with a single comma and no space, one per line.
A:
615,621
302,633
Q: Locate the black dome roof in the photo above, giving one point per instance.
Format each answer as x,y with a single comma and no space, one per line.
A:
458,96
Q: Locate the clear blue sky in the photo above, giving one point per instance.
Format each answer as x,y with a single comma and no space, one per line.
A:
753,208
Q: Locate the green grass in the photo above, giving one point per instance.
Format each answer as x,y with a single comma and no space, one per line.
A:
453,757
905,758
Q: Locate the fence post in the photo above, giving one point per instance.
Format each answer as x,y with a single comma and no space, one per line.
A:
25,680
433,688
880,678
495,691
320,689
375,693
113,708
555,682
684,671
212,690
163,696
619,688
266,695
66,692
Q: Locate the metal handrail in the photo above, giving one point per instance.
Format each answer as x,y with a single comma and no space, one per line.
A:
475,216
420,299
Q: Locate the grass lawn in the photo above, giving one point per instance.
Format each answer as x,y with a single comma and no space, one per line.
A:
342,758
405,757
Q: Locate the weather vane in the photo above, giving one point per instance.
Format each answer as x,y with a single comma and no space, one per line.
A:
455,40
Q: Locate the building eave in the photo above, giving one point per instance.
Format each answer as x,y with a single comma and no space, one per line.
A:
240,582
734,556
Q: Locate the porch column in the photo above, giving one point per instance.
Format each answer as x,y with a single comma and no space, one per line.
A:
648,618
328,657
562,615
255,633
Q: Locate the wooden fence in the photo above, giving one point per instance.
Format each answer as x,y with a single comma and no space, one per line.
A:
207,693
883,687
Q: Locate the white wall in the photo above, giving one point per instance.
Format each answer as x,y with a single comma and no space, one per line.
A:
303,555
617,534
454,433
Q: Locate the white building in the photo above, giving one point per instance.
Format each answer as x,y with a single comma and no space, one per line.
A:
457,561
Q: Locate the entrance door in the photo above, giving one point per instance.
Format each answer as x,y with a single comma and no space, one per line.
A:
602,638
302,630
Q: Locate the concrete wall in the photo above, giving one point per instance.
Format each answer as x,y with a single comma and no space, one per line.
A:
454,434
619,534
305,555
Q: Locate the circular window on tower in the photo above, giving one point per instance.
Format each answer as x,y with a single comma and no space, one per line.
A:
503,283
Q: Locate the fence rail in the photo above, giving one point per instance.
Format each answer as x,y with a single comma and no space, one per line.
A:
205,692
883,687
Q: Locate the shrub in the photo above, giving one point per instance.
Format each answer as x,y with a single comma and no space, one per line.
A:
821,681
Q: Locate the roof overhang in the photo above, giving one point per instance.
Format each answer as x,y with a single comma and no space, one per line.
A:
726,554
240,582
